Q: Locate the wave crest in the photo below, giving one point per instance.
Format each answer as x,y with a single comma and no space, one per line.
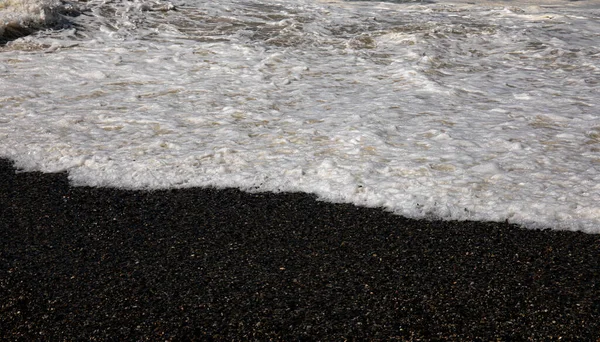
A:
19,18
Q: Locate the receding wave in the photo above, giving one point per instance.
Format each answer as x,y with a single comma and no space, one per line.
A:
453,111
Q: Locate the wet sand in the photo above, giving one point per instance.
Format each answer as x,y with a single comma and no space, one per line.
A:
80,263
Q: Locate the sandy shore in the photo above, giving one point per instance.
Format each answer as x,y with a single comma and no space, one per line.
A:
96,264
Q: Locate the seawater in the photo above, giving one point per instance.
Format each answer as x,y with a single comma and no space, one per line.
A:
467,111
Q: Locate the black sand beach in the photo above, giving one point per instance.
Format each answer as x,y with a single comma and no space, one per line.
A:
79,263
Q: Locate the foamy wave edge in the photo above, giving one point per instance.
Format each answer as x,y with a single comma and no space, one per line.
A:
19,18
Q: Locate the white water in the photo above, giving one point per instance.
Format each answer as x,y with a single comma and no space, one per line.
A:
459,111
19,17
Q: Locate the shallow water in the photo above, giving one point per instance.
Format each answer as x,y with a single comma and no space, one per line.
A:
451,110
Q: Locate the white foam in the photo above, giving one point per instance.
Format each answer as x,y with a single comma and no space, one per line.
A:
19,17
468,112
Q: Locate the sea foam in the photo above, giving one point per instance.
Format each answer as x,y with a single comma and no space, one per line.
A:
453,111
22,17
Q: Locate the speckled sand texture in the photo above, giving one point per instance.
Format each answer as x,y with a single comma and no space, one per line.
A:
98,264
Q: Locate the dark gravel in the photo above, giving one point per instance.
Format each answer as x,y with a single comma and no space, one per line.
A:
80,263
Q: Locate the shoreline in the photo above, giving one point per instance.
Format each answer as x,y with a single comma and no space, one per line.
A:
97,263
